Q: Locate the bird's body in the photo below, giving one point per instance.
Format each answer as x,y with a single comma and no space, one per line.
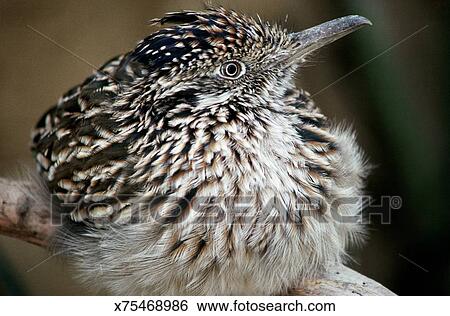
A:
193,165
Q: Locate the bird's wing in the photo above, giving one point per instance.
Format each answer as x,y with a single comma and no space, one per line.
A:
77,148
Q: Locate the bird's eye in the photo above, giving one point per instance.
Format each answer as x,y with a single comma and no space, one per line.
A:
232,69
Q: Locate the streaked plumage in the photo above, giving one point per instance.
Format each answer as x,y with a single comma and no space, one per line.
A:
163,124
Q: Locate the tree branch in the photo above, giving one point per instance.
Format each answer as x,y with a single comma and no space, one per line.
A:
340,280
22,217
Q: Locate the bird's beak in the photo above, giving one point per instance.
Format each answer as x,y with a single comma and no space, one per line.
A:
318,36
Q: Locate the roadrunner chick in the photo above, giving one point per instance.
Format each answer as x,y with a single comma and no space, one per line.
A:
193,164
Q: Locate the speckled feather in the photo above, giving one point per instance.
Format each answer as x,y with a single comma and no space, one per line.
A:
160,122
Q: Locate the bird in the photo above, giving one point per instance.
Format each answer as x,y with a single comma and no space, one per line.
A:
194,165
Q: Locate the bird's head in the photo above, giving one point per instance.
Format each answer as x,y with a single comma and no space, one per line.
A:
220,57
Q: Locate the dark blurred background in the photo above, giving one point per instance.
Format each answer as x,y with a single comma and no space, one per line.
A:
393,86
